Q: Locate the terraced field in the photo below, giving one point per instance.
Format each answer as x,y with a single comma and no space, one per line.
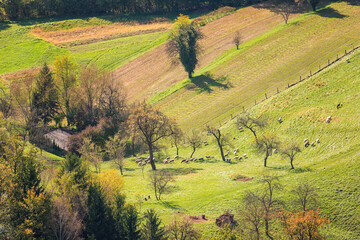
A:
262,65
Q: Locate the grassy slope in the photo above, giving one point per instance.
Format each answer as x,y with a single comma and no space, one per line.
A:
333,165
262,65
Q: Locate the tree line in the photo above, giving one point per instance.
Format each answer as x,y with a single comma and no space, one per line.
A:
19,9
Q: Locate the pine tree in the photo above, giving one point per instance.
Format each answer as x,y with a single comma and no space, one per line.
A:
99,224
151,229
45,96
73,164
132,223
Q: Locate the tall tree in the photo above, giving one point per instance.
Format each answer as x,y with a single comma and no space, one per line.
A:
266,144
194,140
45,96
115,148
152,125
251,123
183,44
291,151
313,4
65,80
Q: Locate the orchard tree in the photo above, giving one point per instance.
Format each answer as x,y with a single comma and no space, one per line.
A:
159,181
290,152
115,148
251,123
221,141
305,196
194,140
183,44
237,39
152,125
266,145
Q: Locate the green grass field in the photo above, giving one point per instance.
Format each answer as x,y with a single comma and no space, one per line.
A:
332,165
262,65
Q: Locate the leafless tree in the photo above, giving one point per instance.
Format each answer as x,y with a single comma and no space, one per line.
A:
291,151
305,195
194,140
220,139
285,9
251,123
271,184
176,137
252,214
159,180
182,230
65,224
237,39
266,144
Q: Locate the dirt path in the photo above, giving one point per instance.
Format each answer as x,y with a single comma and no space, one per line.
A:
153,72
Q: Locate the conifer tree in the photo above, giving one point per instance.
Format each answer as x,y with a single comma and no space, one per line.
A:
151,229
45,96
99,224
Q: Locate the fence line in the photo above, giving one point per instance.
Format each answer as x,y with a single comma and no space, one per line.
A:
289,85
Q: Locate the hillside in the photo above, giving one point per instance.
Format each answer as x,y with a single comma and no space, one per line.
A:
331,165
270,61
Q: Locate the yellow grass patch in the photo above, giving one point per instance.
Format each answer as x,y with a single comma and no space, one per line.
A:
99,32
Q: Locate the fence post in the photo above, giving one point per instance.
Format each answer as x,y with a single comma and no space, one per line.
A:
288,85
328,62
277,90
255,101
310,73
300,79
265,96
345,51
243,108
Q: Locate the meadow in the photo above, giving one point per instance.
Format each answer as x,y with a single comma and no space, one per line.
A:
332,166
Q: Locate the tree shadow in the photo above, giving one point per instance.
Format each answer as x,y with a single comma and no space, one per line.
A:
353,2
301,170
170,204
206,83
330,13
183,171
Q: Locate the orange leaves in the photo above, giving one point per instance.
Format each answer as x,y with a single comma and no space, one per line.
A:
303,224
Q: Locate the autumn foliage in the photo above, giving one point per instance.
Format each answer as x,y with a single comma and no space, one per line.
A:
302,225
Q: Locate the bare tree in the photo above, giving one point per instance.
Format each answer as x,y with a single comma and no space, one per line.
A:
6,107
237,39
291,151
152,125
160,180
251,123
182,230
221,141
194,140
268,201
305,195
65,224
115,147
252,214
266,144
176,137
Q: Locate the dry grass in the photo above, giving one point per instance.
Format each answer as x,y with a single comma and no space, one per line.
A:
99,32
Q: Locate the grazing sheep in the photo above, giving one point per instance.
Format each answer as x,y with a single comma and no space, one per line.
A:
339,106
200,159
274,151
328,119
167,158
306,144
177,156
228,160
236,157
240,158
184,160
227,154
245,156
348,60
306,140
145,199
317,140
240,128
208,156
313,144
195,159
187,161
280,120
171,161
165,161
149,197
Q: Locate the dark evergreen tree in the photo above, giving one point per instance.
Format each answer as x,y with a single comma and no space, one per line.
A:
132,223
151,229
45,98
99,224
73,164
